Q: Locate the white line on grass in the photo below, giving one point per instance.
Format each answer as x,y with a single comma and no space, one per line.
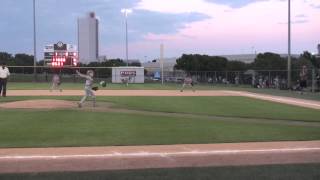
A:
156,154
283,100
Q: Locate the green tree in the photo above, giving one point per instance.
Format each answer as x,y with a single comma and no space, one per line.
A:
314,60
23,60
5,57
236,66
196,62
269,61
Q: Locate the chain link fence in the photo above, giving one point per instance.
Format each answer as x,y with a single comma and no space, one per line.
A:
252,78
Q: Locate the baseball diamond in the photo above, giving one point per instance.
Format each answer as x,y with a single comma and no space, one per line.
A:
159,145
160,90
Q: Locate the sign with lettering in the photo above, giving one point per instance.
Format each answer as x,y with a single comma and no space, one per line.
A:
128,73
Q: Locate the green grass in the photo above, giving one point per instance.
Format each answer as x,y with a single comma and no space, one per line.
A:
43,128
217,106
167,86
270,172
46,86
78,128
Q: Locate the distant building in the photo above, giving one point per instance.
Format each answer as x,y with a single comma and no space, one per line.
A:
169,63
249,58
88,38
132,61
154,66
102,58
246,58
318,49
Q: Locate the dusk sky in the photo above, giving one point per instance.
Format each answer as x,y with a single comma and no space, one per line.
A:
213,27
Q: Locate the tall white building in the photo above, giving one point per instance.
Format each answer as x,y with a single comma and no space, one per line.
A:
88,38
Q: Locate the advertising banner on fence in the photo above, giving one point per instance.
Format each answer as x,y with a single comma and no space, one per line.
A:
128,74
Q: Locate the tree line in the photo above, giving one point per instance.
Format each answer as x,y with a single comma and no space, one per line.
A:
263,61
191,62
28,60
22,59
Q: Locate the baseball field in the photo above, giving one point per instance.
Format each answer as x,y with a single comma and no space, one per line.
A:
157,132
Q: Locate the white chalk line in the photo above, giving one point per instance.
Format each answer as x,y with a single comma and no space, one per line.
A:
279,99
156,154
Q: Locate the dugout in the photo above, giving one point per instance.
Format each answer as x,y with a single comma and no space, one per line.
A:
128,74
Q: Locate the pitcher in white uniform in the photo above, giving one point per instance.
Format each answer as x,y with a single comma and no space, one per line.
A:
87,87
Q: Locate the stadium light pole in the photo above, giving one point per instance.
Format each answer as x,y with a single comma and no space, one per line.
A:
34,42
126,12
289,43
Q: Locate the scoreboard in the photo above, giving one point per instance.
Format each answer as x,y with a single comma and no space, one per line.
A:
60,55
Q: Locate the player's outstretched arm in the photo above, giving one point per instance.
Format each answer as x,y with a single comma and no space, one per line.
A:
83,75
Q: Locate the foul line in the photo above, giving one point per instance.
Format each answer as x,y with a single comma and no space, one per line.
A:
155,154
283,100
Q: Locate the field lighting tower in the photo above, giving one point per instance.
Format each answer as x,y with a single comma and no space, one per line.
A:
289,43
126,12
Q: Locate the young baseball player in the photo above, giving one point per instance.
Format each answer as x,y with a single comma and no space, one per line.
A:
303,78
56,83
87,87
187,81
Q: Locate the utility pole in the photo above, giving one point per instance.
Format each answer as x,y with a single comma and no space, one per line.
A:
34,42
289,43
161,61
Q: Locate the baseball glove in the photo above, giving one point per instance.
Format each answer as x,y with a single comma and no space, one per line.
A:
95,88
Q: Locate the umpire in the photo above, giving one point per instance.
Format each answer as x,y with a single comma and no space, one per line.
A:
4,74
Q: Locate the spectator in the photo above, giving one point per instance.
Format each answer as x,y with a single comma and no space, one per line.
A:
4,74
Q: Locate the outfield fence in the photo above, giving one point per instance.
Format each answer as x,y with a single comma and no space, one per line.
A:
255,78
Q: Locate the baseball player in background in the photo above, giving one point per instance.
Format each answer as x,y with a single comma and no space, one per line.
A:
56,83
4,74
87,87
303,78
187,82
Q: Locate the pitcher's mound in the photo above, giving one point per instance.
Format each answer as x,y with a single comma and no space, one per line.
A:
39,104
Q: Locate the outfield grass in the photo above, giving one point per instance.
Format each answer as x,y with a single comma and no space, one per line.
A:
270,172
43,128
217,106
78,128
167,86
243,107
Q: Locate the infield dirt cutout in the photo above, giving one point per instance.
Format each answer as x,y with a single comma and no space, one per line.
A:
39,104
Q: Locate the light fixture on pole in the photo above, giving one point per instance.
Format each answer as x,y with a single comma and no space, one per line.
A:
289,43
34,42
126,12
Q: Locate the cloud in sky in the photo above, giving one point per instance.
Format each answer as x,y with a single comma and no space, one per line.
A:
56,20
237,30
192,26
234,3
